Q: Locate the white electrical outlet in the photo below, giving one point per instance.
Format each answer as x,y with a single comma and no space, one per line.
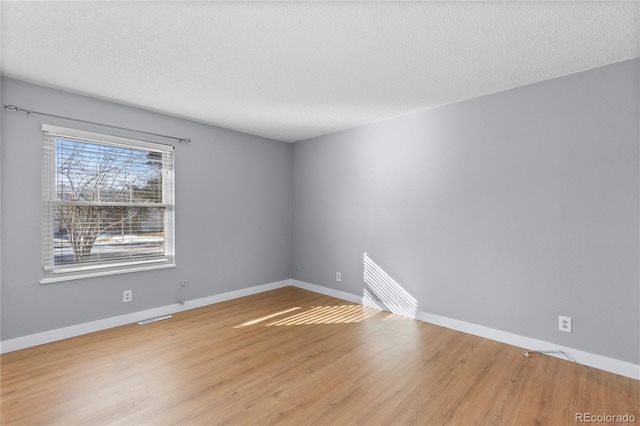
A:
338,276
127,296
564,324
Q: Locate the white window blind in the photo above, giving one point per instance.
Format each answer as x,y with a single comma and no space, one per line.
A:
108,204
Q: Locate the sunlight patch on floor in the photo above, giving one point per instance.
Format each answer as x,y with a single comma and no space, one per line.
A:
328,315
265,318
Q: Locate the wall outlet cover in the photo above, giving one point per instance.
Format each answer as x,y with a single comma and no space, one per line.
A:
564,324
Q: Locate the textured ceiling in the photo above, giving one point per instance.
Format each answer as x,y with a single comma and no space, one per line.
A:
295,70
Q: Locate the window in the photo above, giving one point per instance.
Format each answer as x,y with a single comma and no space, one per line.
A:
108,204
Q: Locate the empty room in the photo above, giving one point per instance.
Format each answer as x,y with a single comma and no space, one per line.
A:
330,213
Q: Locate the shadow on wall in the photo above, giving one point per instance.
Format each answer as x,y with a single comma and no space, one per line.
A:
383,292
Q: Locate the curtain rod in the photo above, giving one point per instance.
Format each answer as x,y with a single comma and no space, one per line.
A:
14,108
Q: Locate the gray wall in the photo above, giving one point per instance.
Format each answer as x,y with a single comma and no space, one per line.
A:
233,214
504,211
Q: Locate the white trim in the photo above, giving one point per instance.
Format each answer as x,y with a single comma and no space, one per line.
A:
103,272
327,291
105,139
57,273
90,327
622,368
611,365
77,267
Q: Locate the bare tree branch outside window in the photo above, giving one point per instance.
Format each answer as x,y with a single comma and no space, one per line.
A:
107,194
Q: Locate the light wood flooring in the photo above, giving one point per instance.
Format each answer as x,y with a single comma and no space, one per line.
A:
295,357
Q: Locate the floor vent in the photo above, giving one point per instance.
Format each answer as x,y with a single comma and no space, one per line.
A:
150,320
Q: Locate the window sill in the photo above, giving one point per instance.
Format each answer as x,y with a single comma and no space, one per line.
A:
105,272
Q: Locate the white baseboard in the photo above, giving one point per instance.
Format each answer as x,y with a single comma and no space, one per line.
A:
611,365
327,291
600,362
586,358
89,327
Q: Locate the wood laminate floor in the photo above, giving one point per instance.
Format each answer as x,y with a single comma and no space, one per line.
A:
291,356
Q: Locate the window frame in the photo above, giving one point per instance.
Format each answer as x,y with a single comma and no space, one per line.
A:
73,271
